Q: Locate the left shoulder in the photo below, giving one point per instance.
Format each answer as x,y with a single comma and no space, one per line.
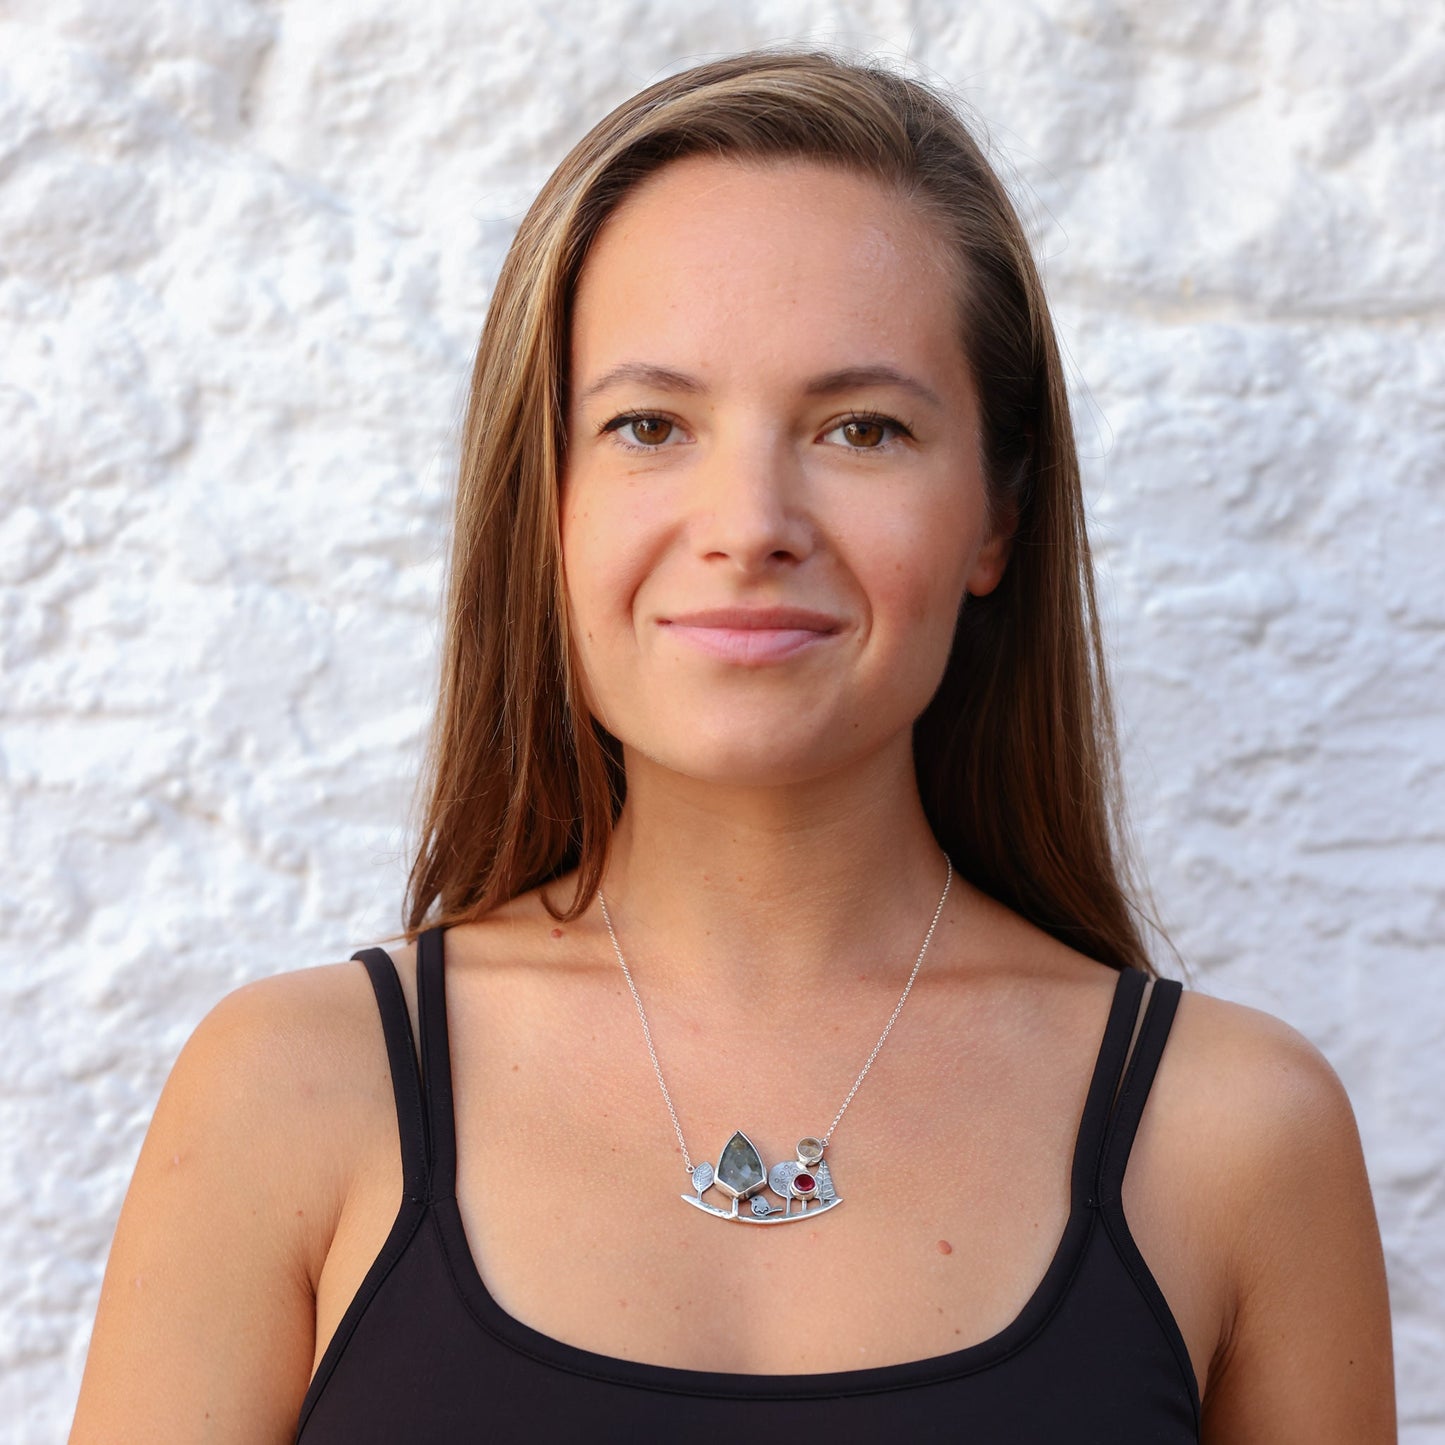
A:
1256,1088
1267,1155
1246,1052
1246,1120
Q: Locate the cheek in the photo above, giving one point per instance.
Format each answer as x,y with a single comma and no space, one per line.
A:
579,578
582,551
927,602
602,564
919,565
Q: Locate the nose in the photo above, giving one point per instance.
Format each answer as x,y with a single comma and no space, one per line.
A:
750,504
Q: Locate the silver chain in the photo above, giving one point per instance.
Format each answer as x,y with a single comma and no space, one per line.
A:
897,1009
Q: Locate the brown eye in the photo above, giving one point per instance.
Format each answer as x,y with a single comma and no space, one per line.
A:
868,432
650,431
863,433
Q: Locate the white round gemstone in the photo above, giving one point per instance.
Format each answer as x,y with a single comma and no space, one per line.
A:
810,1150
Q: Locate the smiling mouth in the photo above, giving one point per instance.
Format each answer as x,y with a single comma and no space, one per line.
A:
752,637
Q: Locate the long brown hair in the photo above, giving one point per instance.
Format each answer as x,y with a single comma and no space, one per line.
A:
1016,755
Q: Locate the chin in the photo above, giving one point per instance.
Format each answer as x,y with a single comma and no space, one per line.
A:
759,761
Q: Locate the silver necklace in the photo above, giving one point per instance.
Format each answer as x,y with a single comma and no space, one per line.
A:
805,1181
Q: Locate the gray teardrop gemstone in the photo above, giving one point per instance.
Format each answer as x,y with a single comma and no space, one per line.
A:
740,1170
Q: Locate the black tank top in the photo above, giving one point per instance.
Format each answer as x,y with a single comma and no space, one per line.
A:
424,1354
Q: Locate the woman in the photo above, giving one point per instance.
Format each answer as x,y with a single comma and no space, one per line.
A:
773,701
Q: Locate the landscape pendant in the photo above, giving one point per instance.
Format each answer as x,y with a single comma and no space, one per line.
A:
804,1184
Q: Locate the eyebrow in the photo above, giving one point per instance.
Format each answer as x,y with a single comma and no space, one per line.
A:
662,377
847,378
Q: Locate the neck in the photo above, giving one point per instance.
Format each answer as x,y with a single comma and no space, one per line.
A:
761,902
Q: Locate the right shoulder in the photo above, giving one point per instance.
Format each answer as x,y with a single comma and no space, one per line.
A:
297,1063
279,1094
298,1021
293,1068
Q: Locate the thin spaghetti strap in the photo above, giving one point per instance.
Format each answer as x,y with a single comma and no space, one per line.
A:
1144,1063
401,1055
1089,1147
436,1064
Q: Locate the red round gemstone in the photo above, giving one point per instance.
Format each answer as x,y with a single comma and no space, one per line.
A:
803,1183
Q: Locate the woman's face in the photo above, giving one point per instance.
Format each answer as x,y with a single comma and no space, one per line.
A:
773,500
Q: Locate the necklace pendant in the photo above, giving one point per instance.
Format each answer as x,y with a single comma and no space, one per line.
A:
805,1182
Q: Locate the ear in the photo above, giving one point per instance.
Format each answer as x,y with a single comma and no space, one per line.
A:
988,566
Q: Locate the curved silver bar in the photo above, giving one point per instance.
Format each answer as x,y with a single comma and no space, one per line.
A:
811,1212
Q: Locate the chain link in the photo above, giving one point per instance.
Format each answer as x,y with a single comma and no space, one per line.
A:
897,1009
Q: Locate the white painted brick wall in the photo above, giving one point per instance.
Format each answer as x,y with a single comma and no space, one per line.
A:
245,248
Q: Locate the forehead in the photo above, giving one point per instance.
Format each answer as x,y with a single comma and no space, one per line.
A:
729,263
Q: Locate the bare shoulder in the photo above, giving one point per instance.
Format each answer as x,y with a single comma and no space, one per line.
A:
307,1019
1264,1148
319,1004
299,1059
243,1173
1260,1097
1246,1049
1254,1123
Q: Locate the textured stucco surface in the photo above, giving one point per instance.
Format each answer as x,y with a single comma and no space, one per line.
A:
245,250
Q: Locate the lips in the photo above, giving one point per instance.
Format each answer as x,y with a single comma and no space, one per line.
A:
738,618
752,635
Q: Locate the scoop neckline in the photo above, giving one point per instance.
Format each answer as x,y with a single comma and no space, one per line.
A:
445,1217
902,1374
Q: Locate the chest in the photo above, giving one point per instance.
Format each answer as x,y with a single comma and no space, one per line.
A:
881,1278
954,1197
952,1162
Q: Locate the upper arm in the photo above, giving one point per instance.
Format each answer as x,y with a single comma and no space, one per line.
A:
206,1323
1307,1355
